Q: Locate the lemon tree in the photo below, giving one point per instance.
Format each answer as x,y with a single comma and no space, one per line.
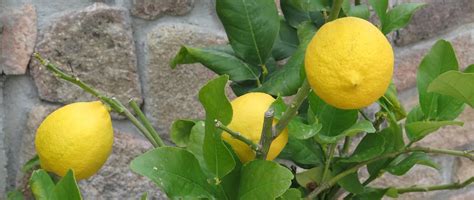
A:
301,81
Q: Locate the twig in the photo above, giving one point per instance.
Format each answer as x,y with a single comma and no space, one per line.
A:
291,111
347,145
336,7
451,186
238,136
144,120
114,104
332,149
465,154
267,133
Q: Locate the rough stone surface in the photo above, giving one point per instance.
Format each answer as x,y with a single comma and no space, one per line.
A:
464,169
153,9
115,180
173,93
408,59
3,155
435,18
96,45
18,39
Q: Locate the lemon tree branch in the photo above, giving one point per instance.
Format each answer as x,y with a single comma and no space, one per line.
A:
451,186
146,123
267,133
238,136
114,104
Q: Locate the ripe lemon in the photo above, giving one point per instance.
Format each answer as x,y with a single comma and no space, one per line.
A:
247,119
78,136
349,63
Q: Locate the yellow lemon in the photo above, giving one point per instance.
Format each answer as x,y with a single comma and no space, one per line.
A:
247,119
78,136
349,63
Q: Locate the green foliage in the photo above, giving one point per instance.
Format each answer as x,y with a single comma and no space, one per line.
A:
403,164
291,194
371,146
417,130
297,11
15,195
43,186
305,152
360,11
441,58
180,131
399,16
455,84
31,164
217,156
251,26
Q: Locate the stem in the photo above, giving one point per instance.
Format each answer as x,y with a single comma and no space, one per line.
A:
465,154
267,133
264,71
451,186
114,104
146,123
332,149
364,115
291,111
336,7
347,145
238,136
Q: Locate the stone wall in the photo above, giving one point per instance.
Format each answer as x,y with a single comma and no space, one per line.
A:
123,47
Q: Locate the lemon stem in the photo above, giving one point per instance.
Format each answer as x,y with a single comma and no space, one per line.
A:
291,111
144,120
114,104
267,133
451,186
347,145
332,149
336,7
238,136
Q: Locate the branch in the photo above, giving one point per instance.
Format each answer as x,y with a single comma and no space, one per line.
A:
238,136
465,154
114,104
336,7
451,186
146,123
291,111
267,133
332,149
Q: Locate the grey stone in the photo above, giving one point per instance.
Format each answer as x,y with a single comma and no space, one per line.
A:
115,180
173,93
3,155
153,9
436,17
96,45
407,59
18,39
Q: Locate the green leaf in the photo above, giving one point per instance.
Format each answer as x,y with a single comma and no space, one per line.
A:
360,11
41,185
392,192
175,171
418,130
399,16
180,131
393,137
306,152
195,144
311,178
380,7
231,182
297,11
402,167
251,26
371,146
390,100
261,179
291,194
455,84
416,114
31,164
298,129
66,188
335,121
361,126
15,195
218,61
469,69
286,81
286,43
440,59
218,157
371,194
351,183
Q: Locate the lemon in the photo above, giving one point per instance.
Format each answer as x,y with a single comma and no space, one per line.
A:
247,119
349,63
78,136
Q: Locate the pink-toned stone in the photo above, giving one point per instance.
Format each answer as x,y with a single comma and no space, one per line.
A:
153,9
18,39
408,59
